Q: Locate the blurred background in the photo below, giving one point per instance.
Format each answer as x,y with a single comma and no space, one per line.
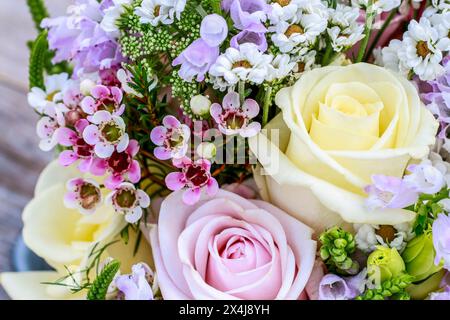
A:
20,158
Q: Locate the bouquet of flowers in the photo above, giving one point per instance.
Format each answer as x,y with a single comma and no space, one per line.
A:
241,149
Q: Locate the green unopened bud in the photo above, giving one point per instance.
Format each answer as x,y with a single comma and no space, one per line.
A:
385,263
419,257
340,243
207,150
200,105
324,253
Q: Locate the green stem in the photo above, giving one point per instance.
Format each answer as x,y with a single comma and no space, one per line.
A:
266,106
380,33
215,4
367,31
241,90
327,55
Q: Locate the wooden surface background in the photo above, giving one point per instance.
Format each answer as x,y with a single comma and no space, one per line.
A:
20,158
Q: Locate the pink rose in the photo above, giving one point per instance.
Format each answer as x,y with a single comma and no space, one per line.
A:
228,247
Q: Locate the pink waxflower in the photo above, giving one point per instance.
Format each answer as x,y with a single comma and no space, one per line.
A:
83,194
195,177
120,165
104,98
232,118
106,133
171,138
80,150
126,199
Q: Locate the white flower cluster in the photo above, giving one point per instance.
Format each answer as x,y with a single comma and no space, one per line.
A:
249,64
377,6
344,30
164,11
368,236
422,48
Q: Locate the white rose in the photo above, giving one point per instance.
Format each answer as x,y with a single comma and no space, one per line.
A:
340,125
64,237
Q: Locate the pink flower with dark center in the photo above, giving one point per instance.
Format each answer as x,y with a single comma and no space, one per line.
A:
80,149
171,138
84,195
232,118
128,200
106,133
104,98
195,177
120,165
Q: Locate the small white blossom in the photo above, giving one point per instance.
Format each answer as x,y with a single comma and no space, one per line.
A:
344,29
422,49
300,33
389,58
287,10
280,67
367,238
246,64
113,13
40,100
441,5
379,5
156,11
305,62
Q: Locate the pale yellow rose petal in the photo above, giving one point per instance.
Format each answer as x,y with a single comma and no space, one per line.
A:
367,125
330,138
314,201
54,174
57,234
28,286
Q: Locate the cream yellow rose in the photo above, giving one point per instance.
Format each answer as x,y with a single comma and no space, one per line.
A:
65,238
339,125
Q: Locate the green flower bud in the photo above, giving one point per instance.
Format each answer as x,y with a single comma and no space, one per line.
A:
419,257
385,263
340,243
324,253
421,290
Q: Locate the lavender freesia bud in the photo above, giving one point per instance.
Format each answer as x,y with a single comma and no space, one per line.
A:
213,30
247,36
333,287
196,60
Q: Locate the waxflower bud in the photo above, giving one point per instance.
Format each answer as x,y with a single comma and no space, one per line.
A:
86,86
207,150
200,105
384,263
419,257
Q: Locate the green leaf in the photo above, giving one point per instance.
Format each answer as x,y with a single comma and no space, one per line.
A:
38,57
100,285
38,12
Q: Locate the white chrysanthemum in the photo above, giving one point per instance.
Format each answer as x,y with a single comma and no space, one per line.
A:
378,6
390,59
40,100
302,32
280,67
441,22
368,236
287,10
246,63
156,11
344,30
422,49
441,5
113,13
305,62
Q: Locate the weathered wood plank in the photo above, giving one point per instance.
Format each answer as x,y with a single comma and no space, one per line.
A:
20,158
